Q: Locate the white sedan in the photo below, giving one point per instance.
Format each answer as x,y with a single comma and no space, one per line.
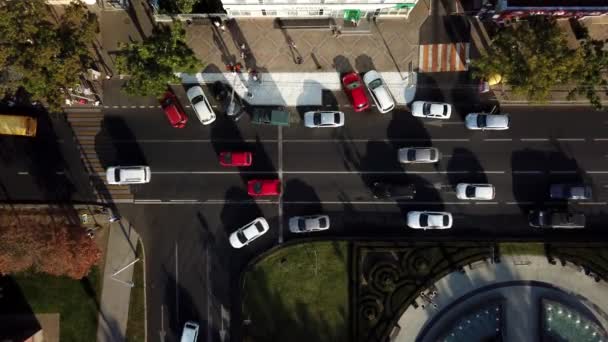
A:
409,155
249,232
467,191
379,91
484,121
323,119
201,105
308,224
429,220
432,110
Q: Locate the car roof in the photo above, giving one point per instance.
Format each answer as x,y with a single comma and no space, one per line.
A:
435,219
497,120
384,98
132,173
483,190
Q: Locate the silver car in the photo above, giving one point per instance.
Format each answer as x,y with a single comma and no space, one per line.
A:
483,121
308,224
431,110
323,119
429,220
408,155
124,175
466,191
201,105
379,91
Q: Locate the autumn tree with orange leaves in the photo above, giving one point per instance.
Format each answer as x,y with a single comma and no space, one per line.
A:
55,249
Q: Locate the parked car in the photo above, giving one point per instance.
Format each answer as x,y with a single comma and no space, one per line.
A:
190,332
354,89
409,155
429,220
276,117
379,91
432,110
201,105
570,191
393,191
308,224
236,158
320,119
230,100
173,111
249,232
556,219
264,187
467,191
124,175
484,121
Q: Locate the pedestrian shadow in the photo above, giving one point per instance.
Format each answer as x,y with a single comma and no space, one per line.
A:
342,65
241,45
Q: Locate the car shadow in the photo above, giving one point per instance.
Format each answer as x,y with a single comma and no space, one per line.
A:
463,159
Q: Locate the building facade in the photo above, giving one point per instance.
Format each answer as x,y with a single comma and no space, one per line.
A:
506,10
318,8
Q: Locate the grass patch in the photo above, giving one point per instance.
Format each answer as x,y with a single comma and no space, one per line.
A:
299,293
136,324
75,300
522,248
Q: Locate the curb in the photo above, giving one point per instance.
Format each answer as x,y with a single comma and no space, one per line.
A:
143,252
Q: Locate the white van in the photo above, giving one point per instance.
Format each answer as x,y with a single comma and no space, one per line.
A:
190,333
123,175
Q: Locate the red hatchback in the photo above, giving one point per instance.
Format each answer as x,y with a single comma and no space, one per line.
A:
264,187
356,92
173,111
235,158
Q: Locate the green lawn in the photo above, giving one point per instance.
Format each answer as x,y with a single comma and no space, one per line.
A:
299,293
137,314
75,301
522,248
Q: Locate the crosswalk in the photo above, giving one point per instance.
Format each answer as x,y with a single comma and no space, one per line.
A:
86,126
451,57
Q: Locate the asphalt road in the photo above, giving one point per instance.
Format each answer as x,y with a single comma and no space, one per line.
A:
192,204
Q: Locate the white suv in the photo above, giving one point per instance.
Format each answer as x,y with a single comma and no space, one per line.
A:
124,175
379,91
201,106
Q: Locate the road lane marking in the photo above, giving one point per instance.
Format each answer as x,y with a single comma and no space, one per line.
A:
493,203
498,139
570,139
563,172
176,283
186,200
528,172
600,139
489,172
534,139
23,173
592,203
519,203
592,172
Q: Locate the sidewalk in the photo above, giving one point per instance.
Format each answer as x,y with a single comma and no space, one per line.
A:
115,294
456,286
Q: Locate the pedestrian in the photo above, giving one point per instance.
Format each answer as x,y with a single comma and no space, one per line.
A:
223,27
354,22
298,60
292,44
216,23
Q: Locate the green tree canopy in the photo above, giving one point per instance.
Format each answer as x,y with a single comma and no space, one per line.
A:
47,55
153,63
533,57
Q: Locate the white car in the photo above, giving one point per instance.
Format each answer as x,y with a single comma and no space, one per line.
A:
379,91
190,332
249,232
483,121
409,155
467,191
429,220
308,224
201,106
323,119
124,175
433,110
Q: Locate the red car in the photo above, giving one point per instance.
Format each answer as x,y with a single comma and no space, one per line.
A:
356,92
235,158
264,187
173,111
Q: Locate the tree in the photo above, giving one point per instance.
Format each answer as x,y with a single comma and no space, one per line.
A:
590,75
532,56
56,249
48,55
185,6
152,64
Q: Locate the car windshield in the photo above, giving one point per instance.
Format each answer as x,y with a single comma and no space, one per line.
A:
257,187
353,85
481,121
445,110
241,236
302,224
424,220
228,158
426,108
323,222
117,175
316,119
432,154
337,118
411,155
168,101
446,220
198,99
375,83
258,225
470,192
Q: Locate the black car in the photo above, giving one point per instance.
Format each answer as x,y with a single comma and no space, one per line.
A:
556,219
570,191
230,101
393,191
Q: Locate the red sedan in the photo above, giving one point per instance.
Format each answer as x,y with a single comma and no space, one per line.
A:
174,112
264,187
356,92
235,158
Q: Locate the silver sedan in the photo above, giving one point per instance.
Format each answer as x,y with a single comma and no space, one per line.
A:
323,119
308,224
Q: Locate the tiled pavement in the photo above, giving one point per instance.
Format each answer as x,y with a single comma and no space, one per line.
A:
392,45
